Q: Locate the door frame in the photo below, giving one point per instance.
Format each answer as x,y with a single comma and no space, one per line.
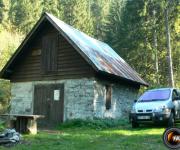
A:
54,86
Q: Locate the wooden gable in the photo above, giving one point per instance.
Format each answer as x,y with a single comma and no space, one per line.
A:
38,62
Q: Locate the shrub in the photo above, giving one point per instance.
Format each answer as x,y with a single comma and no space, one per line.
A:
95,123
4,95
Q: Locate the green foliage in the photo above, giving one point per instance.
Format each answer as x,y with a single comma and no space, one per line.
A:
4,95
99,10
96,123
2,127
8,44
76,13
130,30
50,6
82,19
24,13
127,25
1,10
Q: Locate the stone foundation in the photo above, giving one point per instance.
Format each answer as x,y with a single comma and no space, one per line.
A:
78,97
21,98
83,98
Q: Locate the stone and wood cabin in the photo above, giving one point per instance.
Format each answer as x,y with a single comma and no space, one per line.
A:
62,73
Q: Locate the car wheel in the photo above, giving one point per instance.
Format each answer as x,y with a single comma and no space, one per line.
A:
171,120
135,124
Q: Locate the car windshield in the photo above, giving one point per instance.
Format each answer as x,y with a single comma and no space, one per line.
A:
155,95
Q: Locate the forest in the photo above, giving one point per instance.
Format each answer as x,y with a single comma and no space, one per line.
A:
145,33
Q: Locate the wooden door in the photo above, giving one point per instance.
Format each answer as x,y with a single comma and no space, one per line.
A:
49,101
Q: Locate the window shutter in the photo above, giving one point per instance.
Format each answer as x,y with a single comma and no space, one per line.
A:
49,53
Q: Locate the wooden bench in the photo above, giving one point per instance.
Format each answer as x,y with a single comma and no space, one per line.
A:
24,123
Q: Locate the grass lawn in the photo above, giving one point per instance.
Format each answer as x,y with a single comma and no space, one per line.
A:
120,138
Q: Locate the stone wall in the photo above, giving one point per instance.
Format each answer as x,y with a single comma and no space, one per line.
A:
78,97
121,100
22,95
83,98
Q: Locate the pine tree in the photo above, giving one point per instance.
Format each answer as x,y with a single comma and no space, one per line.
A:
130,32
1,10
24,13
75,13
99,9
50,6
135,29
82,19
68,7
137,33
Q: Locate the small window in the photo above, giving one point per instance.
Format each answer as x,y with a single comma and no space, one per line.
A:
49,53
108,96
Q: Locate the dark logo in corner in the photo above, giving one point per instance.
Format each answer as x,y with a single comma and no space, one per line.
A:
171,138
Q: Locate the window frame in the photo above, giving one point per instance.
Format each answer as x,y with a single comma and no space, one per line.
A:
108,96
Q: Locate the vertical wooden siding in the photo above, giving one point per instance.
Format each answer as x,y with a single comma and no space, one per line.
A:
49,54
70,63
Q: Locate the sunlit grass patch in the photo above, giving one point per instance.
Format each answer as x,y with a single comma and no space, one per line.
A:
142,132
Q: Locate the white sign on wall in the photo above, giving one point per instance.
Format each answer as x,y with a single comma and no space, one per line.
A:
56,95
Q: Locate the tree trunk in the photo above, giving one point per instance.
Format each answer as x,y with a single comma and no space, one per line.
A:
156,56
155,49
169,57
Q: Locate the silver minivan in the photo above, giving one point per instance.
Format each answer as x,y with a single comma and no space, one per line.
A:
156,106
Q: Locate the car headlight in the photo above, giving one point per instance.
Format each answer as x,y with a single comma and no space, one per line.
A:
166,110
162,109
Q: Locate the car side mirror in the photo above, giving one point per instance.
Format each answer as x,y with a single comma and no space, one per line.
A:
135,101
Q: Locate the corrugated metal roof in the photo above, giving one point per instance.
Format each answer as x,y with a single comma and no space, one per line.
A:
99,53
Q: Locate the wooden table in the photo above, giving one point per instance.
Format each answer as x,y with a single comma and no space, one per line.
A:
24,123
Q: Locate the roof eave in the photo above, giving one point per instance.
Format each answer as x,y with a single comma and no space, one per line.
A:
125,79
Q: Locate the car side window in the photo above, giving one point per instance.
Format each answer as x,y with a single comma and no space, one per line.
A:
174,94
